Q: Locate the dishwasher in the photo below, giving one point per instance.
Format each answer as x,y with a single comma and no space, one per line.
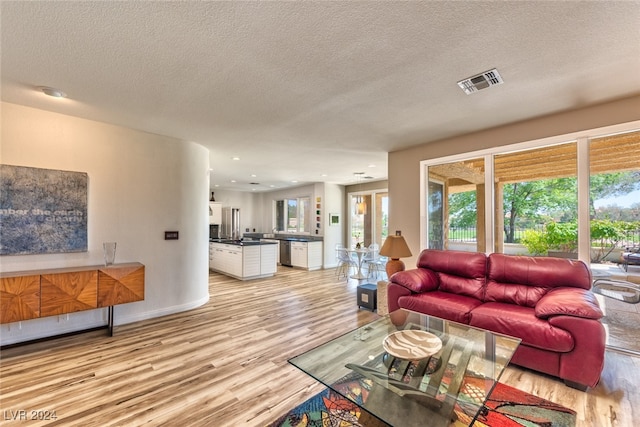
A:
285,253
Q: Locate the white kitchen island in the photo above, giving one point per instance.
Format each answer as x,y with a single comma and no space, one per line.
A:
243,260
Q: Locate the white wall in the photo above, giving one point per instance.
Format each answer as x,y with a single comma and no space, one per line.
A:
244,200
334,201
140,185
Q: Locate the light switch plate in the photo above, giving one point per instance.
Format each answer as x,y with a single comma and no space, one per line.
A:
170,235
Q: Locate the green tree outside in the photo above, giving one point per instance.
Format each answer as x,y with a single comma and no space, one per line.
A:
555,201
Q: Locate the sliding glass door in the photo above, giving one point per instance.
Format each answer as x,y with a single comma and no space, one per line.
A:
614,217
369,216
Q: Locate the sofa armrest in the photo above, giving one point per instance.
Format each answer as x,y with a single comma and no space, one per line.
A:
416,280
574,302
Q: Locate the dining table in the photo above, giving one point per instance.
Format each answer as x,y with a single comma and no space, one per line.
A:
360,252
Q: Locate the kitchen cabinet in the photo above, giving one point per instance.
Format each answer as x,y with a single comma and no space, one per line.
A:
251,261
307,255
243,261
234,261
215,259
269,258
277,243
225,258
299,254
215,213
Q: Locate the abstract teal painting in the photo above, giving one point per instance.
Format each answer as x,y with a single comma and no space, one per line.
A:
42,211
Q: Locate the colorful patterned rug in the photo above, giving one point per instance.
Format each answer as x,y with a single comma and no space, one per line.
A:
506,407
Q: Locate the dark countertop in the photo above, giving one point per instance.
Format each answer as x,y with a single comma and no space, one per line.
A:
295,238
241,242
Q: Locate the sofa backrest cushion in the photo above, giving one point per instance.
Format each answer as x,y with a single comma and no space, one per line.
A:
462,273
523,280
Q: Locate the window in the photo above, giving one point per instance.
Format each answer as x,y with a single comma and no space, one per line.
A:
614,195
568,195
436,215
456,216
293,215
536,200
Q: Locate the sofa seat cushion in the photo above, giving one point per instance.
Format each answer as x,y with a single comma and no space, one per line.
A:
444,305
521,322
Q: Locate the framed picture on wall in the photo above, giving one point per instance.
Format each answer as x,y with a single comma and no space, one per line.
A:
42,211
334,219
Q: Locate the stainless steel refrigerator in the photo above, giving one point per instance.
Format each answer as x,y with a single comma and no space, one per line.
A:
231,223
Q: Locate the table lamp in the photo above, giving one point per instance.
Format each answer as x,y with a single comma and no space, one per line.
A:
394,248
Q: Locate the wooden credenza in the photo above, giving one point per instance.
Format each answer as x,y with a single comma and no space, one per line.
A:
26,295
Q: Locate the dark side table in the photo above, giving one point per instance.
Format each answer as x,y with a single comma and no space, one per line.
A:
367,294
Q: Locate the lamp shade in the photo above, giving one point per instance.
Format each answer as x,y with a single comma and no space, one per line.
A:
395,247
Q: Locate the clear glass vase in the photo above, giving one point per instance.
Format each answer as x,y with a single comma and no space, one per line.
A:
109,249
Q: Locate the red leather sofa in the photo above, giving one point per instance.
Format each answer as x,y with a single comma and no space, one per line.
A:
546,302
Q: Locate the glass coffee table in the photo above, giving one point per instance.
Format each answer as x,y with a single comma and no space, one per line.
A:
452,384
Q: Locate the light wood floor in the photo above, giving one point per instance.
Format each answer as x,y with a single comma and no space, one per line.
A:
225,364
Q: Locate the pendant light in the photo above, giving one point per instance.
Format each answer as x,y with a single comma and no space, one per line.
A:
361,206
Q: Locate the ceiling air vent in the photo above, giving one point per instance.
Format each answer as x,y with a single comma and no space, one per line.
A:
480,81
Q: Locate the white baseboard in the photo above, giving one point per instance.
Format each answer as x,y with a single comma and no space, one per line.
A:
46,327
136,317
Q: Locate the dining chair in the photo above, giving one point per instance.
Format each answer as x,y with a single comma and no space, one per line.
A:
373,261
345,262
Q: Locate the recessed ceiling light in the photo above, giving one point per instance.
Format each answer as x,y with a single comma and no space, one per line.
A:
294,181
51,91
233,180
372,166
235,158
253,175
324,174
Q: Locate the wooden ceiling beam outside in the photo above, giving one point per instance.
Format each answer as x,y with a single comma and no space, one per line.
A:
460,170
609,154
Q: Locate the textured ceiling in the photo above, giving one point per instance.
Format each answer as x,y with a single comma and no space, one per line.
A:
298,90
